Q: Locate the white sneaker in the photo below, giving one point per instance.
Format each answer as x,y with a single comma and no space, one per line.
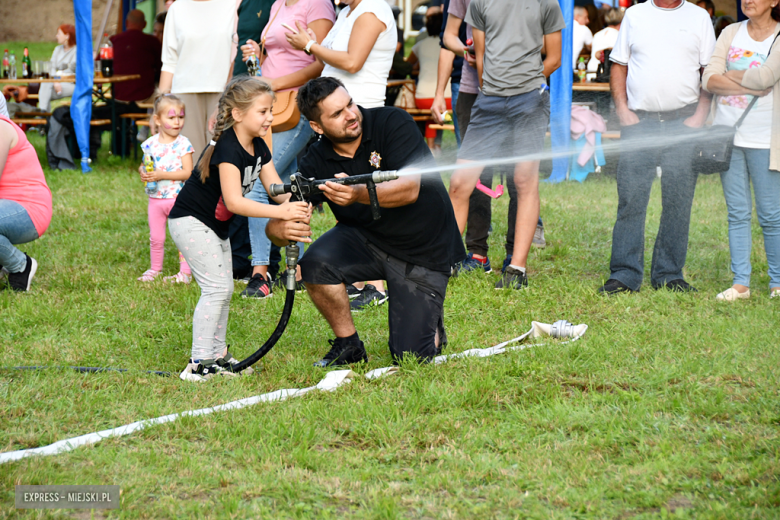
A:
202,370
732,295
775,293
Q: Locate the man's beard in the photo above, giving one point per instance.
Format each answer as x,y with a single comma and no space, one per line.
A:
347,137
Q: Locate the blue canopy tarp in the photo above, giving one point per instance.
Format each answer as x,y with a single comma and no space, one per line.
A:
81,104
560,100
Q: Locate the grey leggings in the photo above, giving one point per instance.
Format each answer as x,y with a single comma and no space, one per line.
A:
210,260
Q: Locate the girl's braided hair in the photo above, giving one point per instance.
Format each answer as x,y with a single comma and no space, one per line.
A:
239,94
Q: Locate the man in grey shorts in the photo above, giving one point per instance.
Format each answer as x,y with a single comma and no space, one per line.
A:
511,113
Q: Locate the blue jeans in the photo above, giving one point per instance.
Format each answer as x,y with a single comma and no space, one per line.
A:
287,146
16,227
455,87
635,175
752,165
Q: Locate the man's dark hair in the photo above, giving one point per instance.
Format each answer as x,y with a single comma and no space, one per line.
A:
312,93
160,18
707,5
433,24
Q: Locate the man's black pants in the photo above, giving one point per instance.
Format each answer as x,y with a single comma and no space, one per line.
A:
416,303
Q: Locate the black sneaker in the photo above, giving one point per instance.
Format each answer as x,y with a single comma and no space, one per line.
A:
353,292
228,361
258,287
343,353
512,278
20,282
613,286
368,297
678,285
507,261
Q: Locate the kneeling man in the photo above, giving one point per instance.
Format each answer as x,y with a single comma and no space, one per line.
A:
413,245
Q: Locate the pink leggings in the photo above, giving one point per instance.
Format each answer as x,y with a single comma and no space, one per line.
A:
158,218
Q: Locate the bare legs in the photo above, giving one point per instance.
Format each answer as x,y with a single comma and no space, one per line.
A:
333,303
526,178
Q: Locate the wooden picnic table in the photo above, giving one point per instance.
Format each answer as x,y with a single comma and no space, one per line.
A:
97,80
591,87
97,90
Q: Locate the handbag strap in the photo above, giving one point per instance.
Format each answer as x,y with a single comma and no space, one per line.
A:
755,98
267,27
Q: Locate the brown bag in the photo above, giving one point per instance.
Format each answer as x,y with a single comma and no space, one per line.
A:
285,109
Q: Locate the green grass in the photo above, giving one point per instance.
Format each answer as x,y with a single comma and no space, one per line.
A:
669,407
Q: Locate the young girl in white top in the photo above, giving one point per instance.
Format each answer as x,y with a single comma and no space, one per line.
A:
172,156
200,220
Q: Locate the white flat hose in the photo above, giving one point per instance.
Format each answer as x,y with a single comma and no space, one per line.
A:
331,382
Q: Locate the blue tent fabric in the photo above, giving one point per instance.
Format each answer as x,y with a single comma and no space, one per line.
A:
81,104
560,100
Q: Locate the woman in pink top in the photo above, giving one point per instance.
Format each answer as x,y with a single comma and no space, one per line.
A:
25,204
284,68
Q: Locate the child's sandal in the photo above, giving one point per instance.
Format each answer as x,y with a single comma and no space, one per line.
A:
179,278
149,276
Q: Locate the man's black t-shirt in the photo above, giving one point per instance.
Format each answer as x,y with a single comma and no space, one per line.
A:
423,233
203,200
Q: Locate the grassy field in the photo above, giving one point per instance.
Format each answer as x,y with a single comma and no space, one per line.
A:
668,408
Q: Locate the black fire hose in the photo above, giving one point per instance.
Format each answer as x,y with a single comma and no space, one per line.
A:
301,189
291,252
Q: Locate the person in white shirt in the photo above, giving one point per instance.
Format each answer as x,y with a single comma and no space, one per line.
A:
197,57
582,37
358,50
426,54
655,78
605,38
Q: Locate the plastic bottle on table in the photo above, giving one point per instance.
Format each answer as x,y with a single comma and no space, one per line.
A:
12,66
5,65
253,65
582,70
106,48
151,187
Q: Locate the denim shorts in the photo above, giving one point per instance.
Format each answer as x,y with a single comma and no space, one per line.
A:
506,126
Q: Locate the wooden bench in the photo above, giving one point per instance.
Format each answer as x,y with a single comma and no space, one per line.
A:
29,121
132,120
436,126
32,114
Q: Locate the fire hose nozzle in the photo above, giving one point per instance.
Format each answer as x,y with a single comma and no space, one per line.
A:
384,176
292,252
274,190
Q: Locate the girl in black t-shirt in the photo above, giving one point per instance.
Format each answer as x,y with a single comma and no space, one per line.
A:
199,222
